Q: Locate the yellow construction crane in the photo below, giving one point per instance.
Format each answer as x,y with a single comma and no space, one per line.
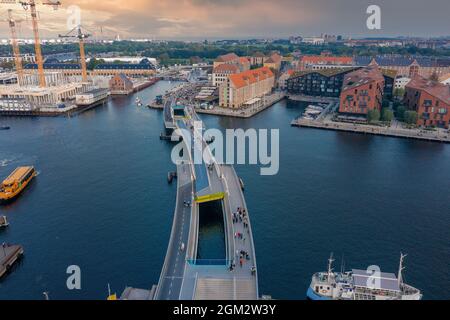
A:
81,37
31,4
15,45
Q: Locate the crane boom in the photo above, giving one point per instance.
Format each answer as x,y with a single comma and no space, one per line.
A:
80,36
83,61
15,46
37,44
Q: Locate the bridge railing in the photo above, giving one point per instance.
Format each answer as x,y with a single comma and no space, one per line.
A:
209,262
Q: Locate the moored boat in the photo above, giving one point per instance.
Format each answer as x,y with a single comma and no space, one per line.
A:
5,128
357,284
17,181
3,222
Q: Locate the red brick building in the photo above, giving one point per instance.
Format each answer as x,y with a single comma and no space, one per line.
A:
431,101
120,84
362,91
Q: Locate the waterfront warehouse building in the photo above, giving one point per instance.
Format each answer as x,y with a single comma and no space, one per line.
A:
144,68
362,91
323,83
120,84
431,101
246,88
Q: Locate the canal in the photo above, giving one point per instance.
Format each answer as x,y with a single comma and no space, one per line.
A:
102,202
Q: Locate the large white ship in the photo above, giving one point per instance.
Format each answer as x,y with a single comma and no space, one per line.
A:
361,285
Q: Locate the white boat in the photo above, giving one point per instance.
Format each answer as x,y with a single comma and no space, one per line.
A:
3,222
139,102
370,284
313,107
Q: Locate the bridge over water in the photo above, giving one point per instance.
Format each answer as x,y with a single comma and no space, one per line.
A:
185,276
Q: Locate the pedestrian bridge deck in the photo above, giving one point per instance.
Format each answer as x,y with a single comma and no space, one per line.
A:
185,278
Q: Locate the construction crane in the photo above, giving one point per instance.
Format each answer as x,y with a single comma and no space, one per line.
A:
15,45
31,4
81,37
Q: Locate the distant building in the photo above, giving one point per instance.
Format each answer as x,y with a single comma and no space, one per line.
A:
323,61
408,66
313,40
26,58
401,82
282,80
244,63
389,82
431,101
257,59
230,58
246,88
324,83
120,84
8,78
222,72
107,69
273,62
445,79
362,91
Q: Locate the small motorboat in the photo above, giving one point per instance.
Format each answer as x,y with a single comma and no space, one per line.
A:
5,128
139,102
3,222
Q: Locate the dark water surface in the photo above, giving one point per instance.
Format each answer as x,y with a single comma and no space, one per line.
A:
102,202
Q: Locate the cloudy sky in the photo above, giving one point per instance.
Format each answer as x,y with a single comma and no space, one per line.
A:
201,19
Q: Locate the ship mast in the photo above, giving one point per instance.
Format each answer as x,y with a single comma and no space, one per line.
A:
401,268
330,267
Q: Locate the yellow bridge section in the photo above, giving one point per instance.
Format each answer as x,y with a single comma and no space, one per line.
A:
210,197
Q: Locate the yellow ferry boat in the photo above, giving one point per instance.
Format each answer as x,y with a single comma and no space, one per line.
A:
16,183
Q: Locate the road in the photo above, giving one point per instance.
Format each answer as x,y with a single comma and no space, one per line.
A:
173,270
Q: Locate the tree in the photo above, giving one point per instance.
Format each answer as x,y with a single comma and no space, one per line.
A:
387,115
411,117
373,115
164,58
399,92
94,63
400,113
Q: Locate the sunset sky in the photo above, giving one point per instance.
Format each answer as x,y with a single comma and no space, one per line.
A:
202,19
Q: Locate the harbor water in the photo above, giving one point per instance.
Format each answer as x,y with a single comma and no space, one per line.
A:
101,201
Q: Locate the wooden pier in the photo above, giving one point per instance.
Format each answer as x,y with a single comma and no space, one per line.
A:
9,254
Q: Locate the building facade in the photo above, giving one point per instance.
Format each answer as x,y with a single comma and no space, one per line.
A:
120,84
324,83
408,66
246,88
362,91
274,62
230,58
431,101
323,61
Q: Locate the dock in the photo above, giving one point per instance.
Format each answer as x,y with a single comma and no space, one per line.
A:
9,254
415,134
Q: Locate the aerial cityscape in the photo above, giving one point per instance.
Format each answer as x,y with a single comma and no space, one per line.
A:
154,150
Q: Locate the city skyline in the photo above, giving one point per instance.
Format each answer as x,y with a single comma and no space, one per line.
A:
216,19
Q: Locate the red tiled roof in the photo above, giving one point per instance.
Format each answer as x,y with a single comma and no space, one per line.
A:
243,60
326,60
251,76
227,57
436,89
274,58
226,68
